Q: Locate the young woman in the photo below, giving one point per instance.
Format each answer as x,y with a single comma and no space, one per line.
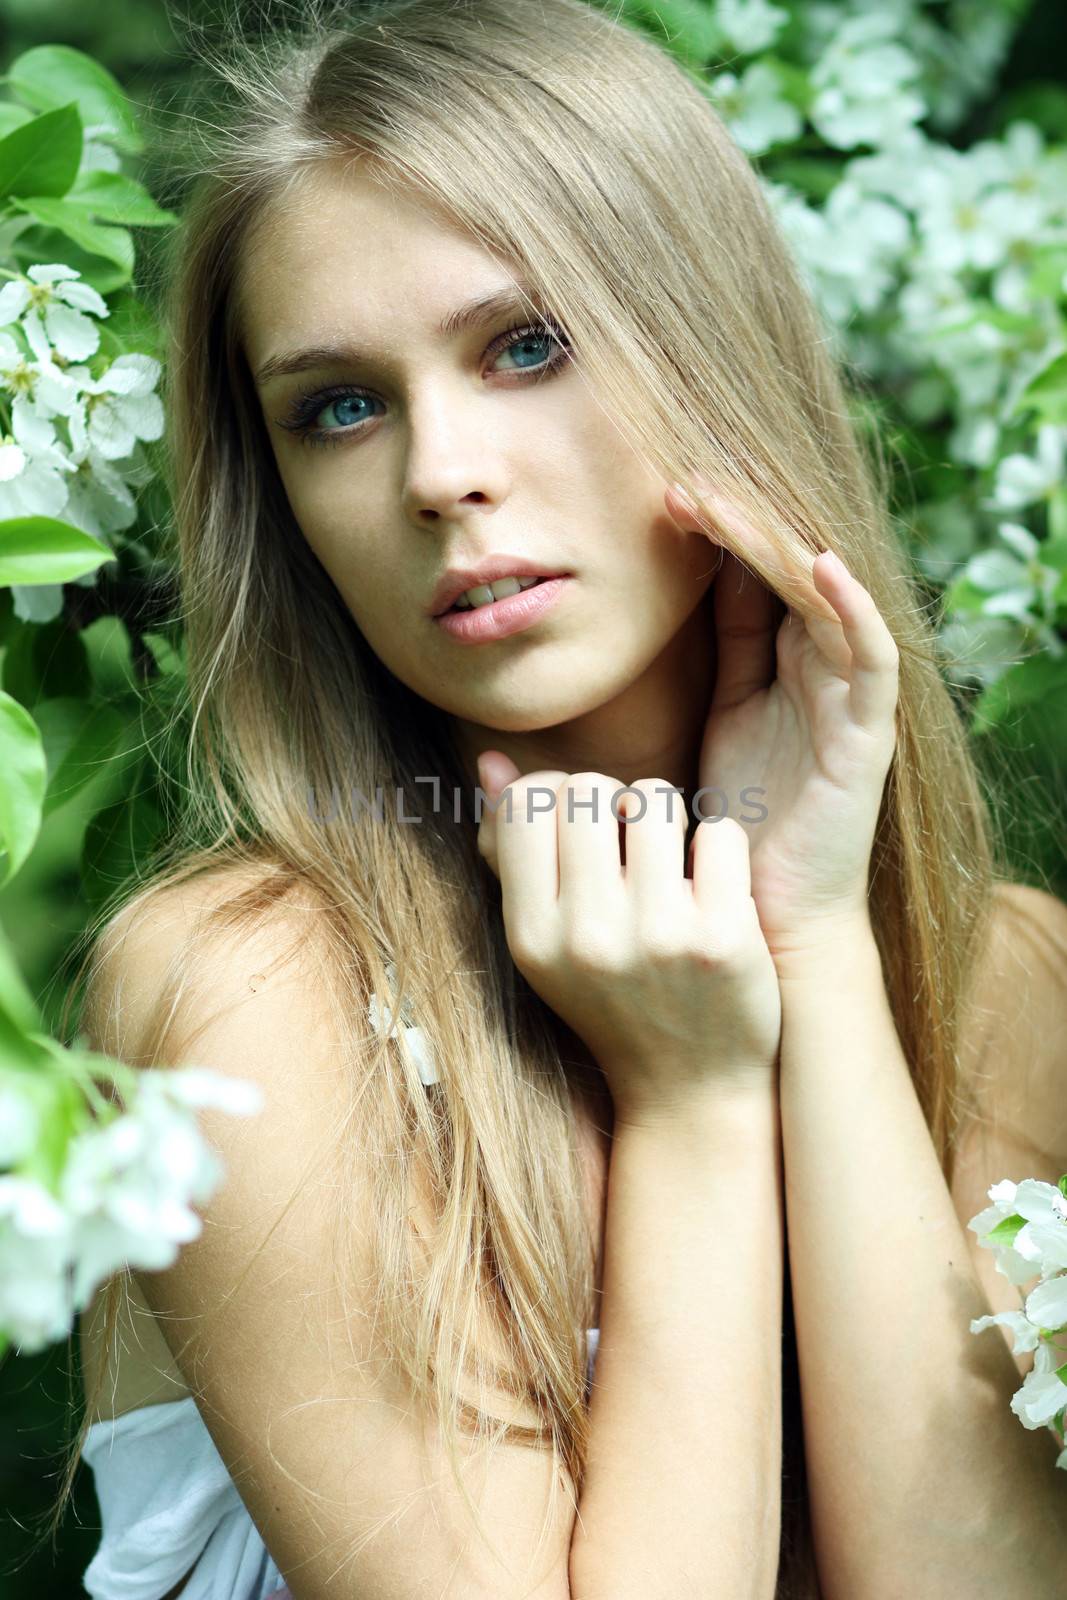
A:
485,292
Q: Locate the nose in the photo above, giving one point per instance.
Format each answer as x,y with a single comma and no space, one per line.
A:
452,463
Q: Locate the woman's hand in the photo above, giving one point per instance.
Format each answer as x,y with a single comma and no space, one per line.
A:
804,710
667,979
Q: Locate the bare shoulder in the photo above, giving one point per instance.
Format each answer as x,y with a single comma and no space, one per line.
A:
234,924
256,980
281,1350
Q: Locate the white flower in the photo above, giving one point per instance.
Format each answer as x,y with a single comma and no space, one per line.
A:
1026,1335
36,1304
890,171
125,1199
861,80
1020,584
754,108
33,483
50,391
1046,1306
1043,1395
130,1185
862,246
99,501
32,464
1041,1243
1018,161
1044,1238
975,438
965,222
931,300
976,648
19,1122
52,293
1013,1266
750,25
1023,479
120,408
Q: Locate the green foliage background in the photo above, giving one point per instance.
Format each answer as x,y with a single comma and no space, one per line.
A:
113,639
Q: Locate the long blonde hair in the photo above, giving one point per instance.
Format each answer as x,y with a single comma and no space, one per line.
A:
578,149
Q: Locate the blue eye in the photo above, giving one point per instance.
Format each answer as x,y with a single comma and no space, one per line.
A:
343,400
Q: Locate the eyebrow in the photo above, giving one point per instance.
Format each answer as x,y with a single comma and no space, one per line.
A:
341,351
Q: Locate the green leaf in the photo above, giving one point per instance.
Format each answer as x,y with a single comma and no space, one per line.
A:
813,176
1047,393
12,117
15,998
22,763
45,550
686,27
79,740
1041,677
44,660
109,657
39,243
1005,1232
97,238
1061,1373
53,74
42,156
116,841
64,1116
18,1050
964,595
168,658
116,198
1042,102
1054,550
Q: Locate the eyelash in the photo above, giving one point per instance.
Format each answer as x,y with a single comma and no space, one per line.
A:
306,407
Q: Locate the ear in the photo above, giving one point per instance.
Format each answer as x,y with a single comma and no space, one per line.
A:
681,506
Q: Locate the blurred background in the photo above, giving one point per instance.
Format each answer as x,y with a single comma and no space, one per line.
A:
951,311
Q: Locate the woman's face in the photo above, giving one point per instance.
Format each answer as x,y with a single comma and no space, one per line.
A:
422,450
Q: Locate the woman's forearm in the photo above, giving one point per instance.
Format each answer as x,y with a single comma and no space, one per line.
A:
683,1485
921,1479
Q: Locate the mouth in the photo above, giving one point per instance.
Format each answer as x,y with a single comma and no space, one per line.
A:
464,605
511,613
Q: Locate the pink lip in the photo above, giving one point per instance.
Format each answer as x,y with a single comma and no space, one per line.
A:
503,617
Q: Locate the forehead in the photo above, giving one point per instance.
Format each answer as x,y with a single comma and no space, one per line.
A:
341,250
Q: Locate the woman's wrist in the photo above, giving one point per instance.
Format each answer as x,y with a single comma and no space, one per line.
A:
732,1105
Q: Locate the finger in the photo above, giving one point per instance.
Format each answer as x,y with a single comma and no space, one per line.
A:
528,852
747,617
722,870
654,841
873,675
707,510
495,770
747,612
590,858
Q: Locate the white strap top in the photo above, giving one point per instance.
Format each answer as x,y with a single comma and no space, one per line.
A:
166,1498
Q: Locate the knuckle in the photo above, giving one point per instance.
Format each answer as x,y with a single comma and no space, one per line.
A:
590,946
531,946
662,944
